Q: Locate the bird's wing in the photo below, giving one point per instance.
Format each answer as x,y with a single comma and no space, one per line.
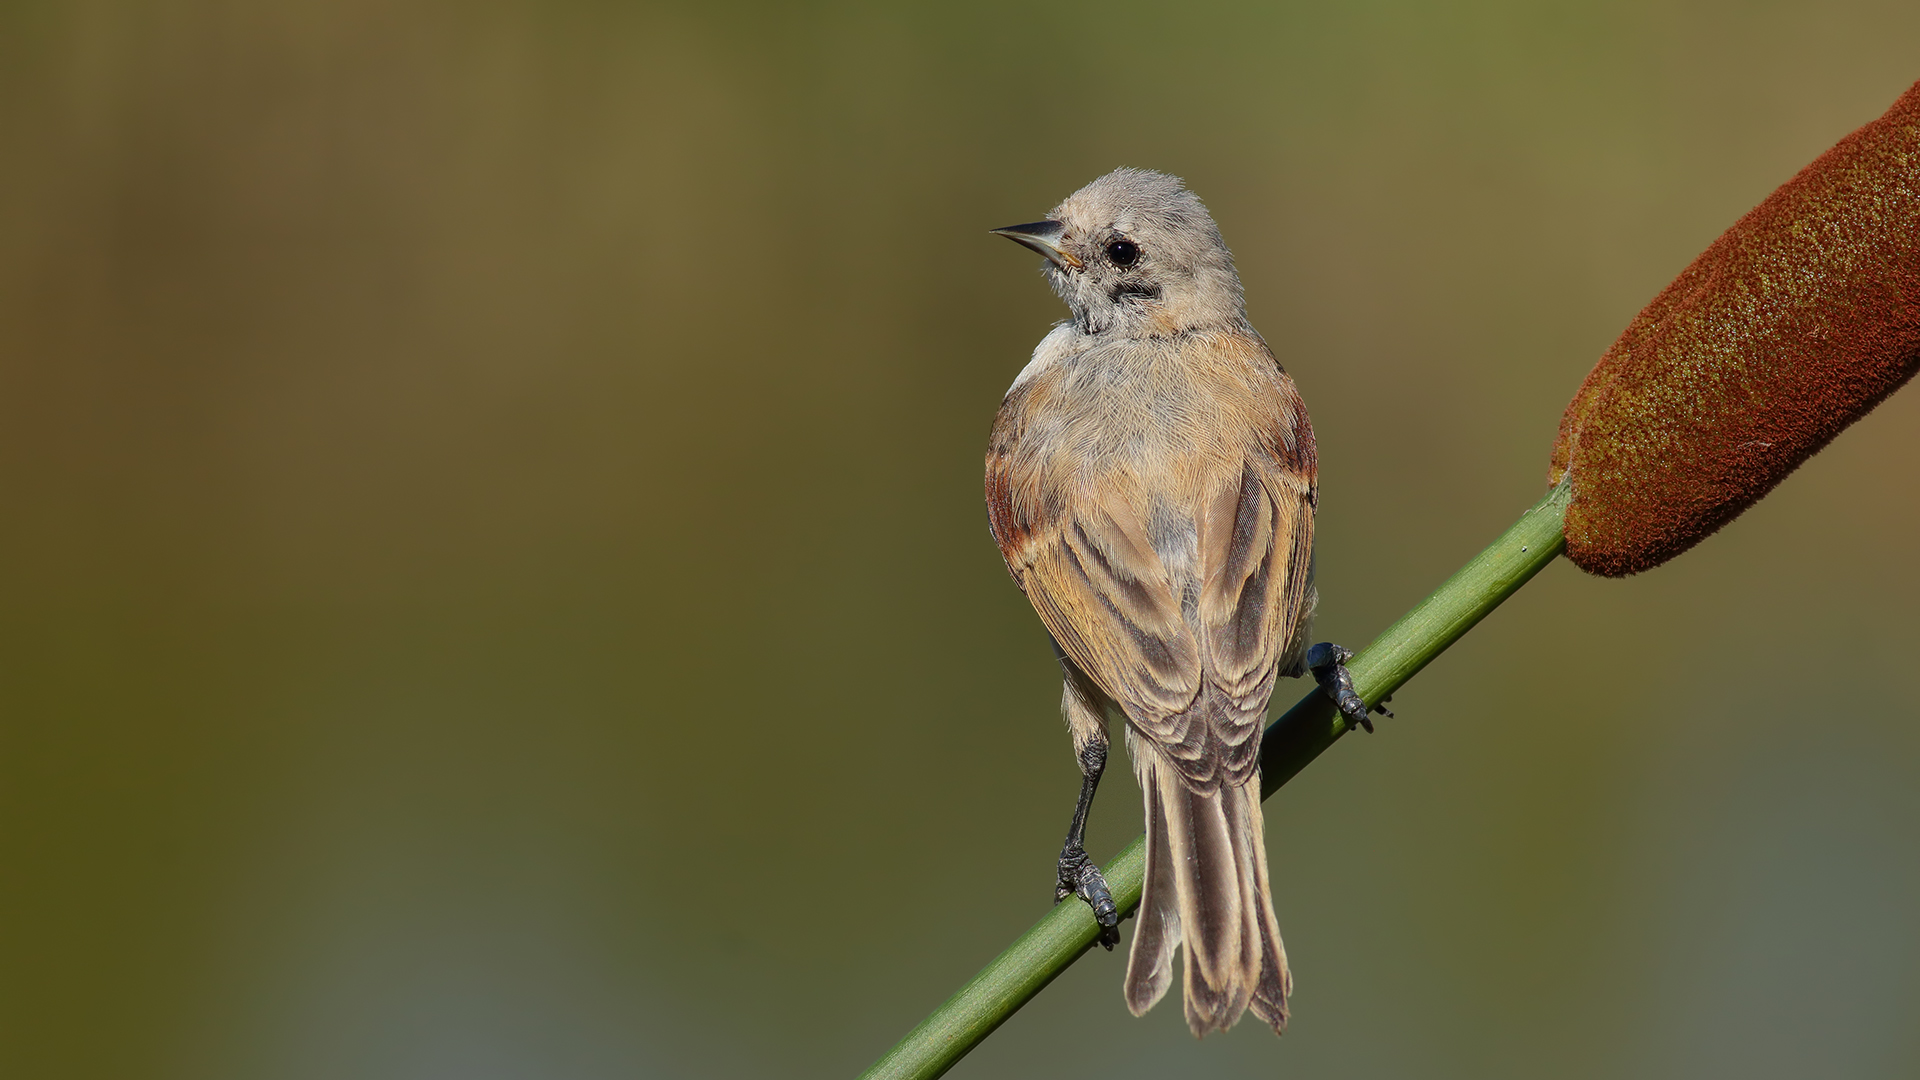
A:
1109,602
1256,548
1193,677
1086,564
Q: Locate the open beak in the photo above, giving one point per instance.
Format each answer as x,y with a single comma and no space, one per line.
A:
1043,237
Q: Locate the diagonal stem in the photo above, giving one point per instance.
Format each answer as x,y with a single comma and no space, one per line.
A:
1290,742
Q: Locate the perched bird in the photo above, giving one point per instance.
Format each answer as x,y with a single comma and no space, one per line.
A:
1150,482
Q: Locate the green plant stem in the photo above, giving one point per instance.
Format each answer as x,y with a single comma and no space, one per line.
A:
1290,742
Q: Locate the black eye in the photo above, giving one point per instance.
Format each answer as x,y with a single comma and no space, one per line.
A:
1124,253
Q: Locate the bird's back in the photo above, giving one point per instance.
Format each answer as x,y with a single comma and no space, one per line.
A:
1154,498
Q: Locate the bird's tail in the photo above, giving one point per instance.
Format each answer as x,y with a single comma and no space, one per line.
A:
1206,887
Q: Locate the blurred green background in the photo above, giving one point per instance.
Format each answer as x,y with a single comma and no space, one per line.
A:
495,581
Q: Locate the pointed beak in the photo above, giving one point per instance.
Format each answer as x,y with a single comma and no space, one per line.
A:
1043,237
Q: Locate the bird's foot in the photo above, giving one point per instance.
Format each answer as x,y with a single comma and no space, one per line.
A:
1328,662
1080,877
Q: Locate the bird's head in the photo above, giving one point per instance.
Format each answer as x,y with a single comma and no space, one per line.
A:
1135,252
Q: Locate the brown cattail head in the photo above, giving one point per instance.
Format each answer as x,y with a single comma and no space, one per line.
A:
1795,323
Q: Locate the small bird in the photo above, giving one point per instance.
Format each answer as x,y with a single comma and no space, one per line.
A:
1151,484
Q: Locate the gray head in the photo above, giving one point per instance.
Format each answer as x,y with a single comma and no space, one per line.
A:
1137,253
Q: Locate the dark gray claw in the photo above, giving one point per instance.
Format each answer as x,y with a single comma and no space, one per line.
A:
1080,877
1328,662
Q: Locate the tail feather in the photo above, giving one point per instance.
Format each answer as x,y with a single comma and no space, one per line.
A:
1212,886
1157,929
1206,889
1276,982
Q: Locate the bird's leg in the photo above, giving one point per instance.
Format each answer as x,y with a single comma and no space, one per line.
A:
1328,662
1085,710
1078,875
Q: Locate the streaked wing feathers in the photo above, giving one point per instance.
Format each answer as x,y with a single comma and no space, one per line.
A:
1194,678
1107,598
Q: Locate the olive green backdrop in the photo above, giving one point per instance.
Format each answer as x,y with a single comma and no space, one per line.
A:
493,578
